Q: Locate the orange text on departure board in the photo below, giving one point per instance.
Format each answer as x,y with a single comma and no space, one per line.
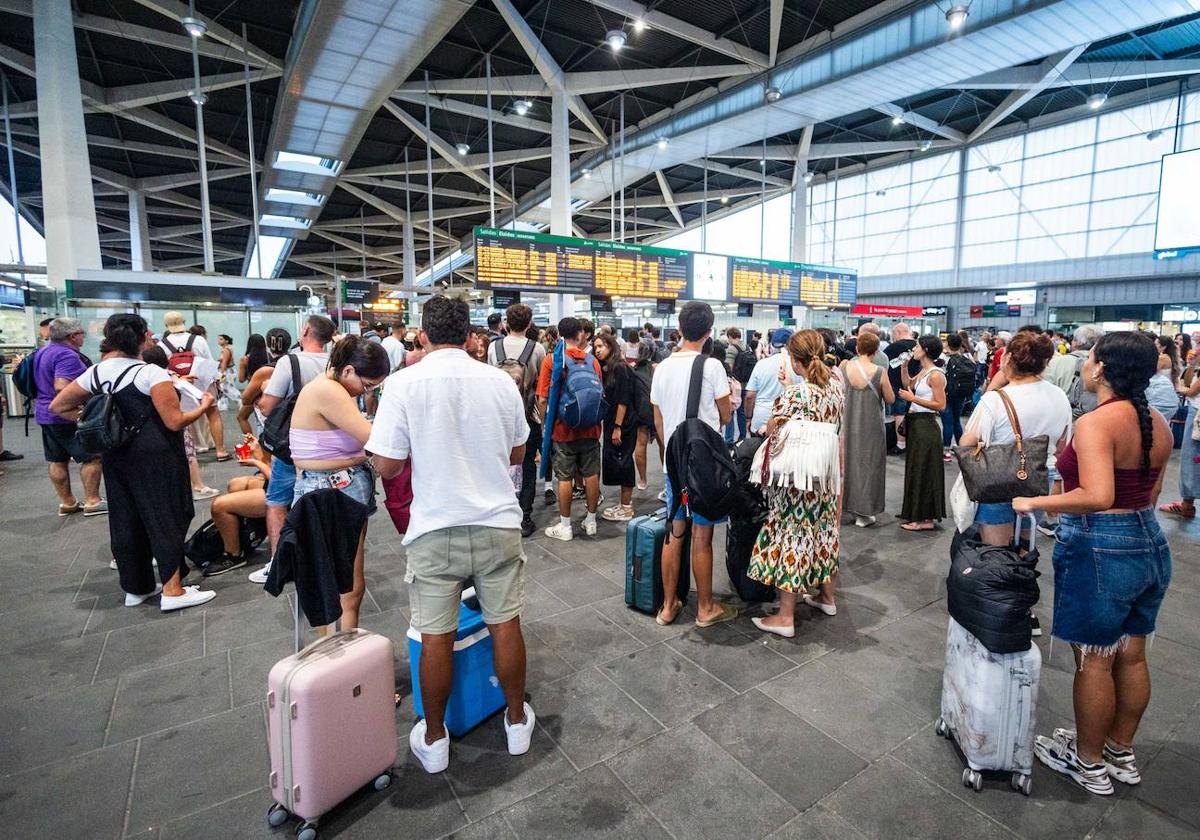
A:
819,290
516,266
636,276
761,282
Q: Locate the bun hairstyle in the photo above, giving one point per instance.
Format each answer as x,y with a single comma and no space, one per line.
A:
1028,353
807,349
368,358
1130,359
932,345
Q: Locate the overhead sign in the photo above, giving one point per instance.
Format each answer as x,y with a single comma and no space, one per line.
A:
12,297
358,291
664,306
745,310
503,300
1017,297
933,311
601,303
886,310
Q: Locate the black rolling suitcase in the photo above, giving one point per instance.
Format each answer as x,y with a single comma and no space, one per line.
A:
745,521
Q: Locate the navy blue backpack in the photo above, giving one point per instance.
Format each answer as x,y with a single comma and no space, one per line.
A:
581,404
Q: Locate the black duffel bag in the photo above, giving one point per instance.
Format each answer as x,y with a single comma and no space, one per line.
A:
991,589
745,521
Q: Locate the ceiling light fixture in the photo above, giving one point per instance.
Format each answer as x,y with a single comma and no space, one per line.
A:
663,142
198,97
994,168
724,199
522,106
881,193
808,176
925,145
957,16
194,27
772,94
463,148
639,25
587,173
1154,134
898,119
1096,101
615,39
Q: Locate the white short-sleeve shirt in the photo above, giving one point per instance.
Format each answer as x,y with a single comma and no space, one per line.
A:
107,372
764,382
311,365
1041,408
669,390
179,342
458,421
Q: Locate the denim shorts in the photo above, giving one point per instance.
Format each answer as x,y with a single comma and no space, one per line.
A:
995,513
696,518
1111,571
361,488
280,488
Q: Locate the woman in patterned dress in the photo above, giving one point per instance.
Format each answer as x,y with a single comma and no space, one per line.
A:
800,469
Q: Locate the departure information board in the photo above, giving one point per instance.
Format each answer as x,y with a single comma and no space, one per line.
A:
514,260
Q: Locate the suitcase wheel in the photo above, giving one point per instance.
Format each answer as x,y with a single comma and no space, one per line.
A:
277,815
383,780
306,831
941,728
972,779
1021,782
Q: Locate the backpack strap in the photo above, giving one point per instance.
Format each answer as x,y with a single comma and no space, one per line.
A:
526,354
166,339
695,387
295,373
116,383
501,356
191,340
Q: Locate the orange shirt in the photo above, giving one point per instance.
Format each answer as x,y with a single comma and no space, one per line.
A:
562,432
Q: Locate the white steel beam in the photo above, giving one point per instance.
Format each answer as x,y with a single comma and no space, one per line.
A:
776,25
668,195
739,172
413,187
777,151
155,183
1050,68
472,162
546,66
923,122
392,210
603,81
685,31
133,96
802,150
177,11
1081,73
872,147
456,106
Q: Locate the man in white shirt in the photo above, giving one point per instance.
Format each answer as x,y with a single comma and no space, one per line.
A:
765,385
176,339
394,345
669,396
312,359
462,425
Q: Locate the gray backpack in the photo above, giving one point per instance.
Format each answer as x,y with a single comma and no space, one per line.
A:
1082,400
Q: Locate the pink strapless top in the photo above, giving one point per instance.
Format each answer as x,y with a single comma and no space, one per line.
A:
324,445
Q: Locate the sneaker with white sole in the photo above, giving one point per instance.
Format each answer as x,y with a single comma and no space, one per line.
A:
98,509
137,600
1119,761
201,493
560,532
618,513
1058,753
589,527
192,597
260,577
662,495
434,757
520,734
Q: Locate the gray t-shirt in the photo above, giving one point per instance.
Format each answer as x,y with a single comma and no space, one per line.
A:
312,365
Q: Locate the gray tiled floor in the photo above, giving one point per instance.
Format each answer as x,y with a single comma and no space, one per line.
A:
119,722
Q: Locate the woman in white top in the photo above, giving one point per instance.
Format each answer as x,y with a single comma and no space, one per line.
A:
1161,391
1041,408
149,500
924,472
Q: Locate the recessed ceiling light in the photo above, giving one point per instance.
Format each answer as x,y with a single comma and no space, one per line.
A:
881,193
639,25
194,27
898,120
198,97
522,106
763,162
615,38
1097,100
463,149
587,173
772,94
663,142
957,16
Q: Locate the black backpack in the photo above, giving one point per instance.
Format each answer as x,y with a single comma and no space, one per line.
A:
102,426
703,475
205,546
26,385
277,428
960,376
743,365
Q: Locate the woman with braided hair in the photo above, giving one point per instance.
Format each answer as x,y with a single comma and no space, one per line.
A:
1112,564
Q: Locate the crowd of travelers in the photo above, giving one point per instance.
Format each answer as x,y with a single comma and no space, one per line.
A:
464,424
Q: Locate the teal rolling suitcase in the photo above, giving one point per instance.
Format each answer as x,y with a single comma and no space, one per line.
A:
643,562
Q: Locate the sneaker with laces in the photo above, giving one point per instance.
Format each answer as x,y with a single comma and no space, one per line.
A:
589,526
520,734
227,563
618,513
1058,753
434,757
1035,625
577,494
560,532
1119,761
550,497
192,596
260,577
1050,529
137,600
662,495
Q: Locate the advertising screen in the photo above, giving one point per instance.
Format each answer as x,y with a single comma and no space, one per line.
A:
1178,225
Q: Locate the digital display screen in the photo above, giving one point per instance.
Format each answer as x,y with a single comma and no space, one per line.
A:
1178,225
710,277
826,286
12,297
763,281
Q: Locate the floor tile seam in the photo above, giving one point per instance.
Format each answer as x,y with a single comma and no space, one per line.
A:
445,779
755,687
761,637
800,717
137,752
610,622
91,615
638,800
903,705
502,808
182,817
632,699
1188,645
566,607
100,658
666,643
795,811
112,713
229,674
1166,814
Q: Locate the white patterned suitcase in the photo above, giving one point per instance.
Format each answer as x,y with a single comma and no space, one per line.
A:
989,707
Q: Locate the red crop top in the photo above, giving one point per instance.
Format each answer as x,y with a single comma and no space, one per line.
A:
1132,490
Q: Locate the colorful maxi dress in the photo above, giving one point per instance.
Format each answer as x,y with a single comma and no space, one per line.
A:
797,548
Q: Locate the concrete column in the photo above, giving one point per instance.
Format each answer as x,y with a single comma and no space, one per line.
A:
69,208
560,189
799,246
139,233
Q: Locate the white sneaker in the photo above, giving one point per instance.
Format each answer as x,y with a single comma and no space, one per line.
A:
563,532
260,577
589,527
434,757
618,513
520,734
191,597
864,521
138,600
828,609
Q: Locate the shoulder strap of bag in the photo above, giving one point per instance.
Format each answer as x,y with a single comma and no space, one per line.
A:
1017,436
191,340
116,383
166,339
295,373
501,356
525,356
96,380
695,387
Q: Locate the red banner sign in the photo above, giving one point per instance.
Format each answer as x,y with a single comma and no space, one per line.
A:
889,311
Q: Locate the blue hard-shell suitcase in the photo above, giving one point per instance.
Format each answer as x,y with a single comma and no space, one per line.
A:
644,539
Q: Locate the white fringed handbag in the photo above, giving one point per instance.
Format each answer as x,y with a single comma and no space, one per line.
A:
803,454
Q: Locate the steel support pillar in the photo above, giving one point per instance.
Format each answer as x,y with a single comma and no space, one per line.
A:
139,233
799,246
560,189
69,208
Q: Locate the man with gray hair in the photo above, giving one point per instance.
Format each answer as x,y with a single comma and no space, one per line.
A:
1082,341
899,353
57,365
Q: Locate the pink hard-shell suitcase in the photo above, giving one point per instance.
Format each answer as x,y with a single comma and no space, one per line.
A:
331,725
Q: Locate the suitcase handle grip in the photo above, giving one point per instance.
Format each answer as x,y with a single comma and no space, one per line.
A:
333,639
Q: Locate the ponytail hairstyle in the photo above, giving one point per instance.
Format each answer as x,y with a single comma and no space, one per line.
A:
368,358
1130,359
1166,347
807,349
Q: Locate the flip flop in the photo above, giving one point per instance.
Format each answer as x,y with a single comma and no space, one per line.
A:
224,457
663,622
728,613
1178,509
67,510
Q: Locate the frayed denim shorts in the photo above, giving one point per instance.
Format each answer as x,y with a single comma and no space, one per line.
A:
1111,571
361,487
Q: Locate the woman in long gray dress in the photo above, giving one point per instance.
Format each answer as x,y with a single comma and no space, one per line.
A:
867,389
